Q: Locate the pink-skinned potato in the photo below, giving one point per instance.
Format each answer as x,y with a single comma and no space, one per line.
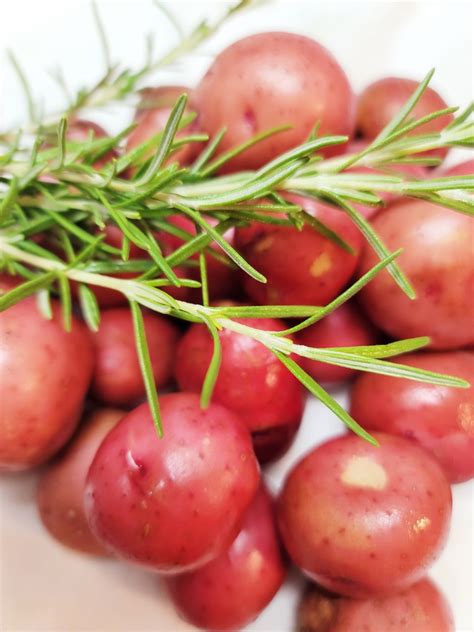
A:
352,518
382,100
232,590
252,382
175,503
302,267
419,608
439,418
465,168
44,376
345,327
117,376
437,259
268,80
152,114
60,495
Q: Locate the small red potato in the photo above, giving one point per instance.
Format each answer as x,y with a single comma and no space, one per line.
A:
60,496
252,382
268,80
117,376
345,327
44,376
362,520
437,259
172,504
301,266
419,608
439,418
222,279
232,590
382,100
151,117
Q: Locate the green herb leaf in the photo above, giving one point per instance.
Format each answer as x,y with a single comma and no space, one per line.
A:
89,307
145,365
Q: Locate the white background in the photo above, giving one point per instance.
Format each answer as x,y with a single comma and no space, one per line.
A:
43,586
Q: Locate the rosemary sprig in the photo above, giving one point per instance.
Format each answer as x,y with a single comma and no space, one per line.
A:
56,190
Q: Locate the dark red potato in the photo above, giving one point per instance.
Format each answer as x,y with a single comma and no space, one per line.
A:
222,279
268,80
365,521
419,608
45,373
382,100
301,266
61,487
345,327
8,282
117,376
462,169
151,117
437,258
232,590
439,418
252,382
172,504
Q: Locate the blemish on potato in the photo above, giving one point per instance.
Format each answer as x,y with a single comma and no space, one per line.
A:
264,244
362,471
421,524
320,265
465,417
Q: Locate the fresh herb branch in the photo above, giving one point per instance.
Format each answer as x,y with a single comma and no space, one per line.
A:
55,190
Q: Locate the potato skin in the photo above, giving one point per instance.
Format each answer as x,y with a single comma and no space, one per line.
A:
222,279
365,521
439,418
60,495
117,376
252,382
382,100
419,608
301,266
345,327
437,258
172,504
151,117
45,373
273,79
232,590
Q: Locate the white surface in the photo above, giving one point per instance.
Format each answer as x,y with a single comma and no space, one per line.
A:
42,585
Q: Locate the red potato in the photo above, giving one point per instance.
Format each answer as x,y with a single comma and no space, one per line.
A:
172,504
345,327
382,100
151,117
60,495
232,590
268,80
8,282
439,418
419,608
301,266
252,382
462,169
437,258
44,376
365,521
222,278
117,378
